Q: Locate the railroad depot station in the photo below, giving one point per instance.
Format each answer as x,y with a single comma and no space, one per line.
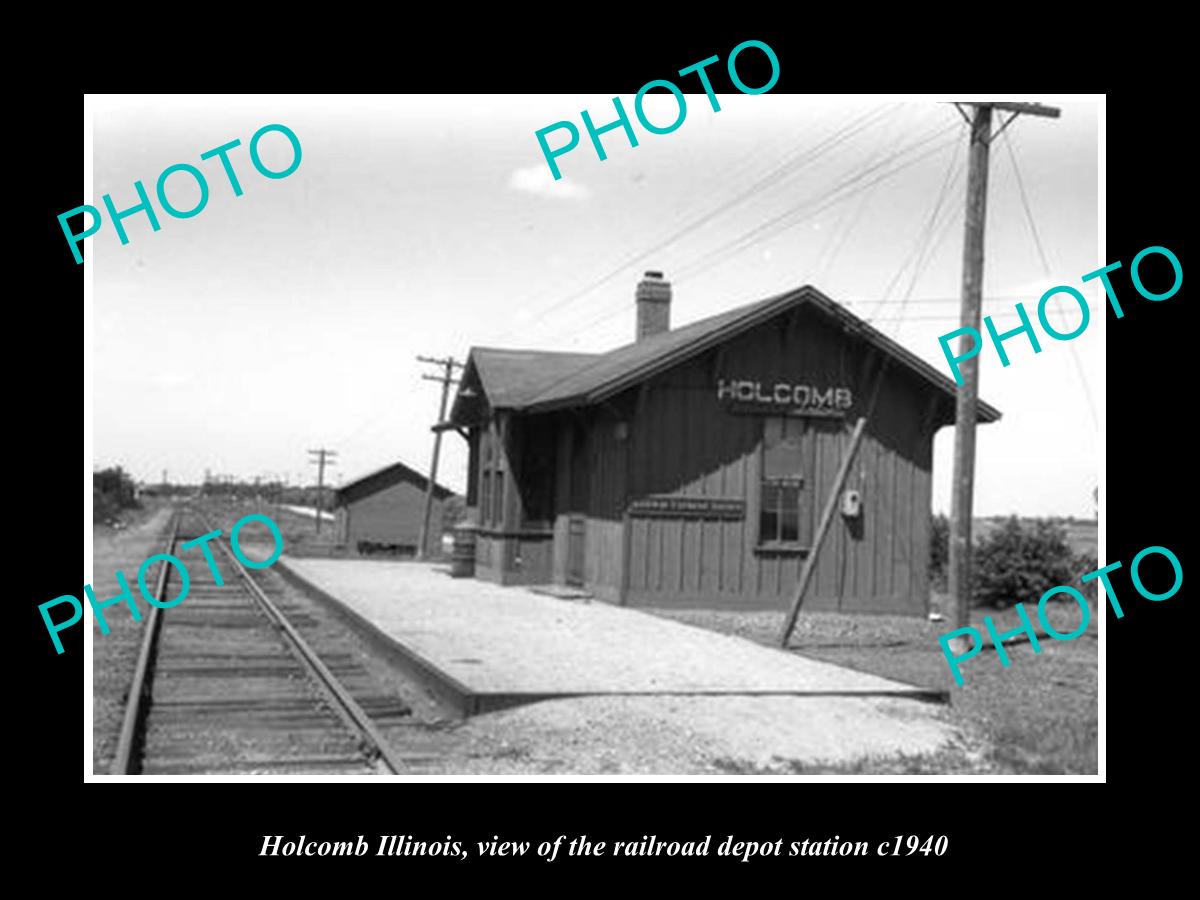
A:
695,468
690,467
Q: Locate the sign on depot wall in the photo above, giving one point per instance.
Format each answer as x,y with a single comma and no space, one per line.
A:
774,397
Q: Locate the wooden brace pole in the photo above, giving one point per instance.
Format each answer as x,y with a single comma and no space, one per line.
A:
810,564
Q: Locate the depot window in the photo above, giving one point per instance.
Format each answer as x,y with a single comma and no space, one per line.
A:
491,480
784,486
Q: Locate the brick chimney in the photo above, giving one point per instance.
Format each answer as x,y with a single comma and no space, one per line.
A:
653,305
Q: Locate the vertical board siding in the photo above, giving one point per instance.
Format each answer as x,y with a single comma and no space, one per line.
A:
393,516
604,503
870,517
682,441
921,527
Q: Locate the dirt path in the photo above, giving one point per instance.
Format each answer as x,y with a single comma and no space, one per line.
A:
114,655
666,698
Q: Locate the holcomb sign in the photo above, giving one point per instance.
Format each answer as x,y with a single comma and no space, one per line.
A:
791,396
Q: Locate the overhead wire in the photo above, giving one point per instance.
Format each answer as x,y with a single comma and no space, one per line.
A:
802,212
925,257
745,165
922,241
1047,272
845,189
789,167
841,232
922,251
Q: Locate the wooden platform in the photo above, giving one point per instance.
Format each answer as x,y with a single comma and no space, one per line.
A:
482,647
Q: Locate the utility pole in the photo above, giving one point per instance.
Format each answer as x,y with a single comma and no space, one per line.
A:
323,458
967,401
447,365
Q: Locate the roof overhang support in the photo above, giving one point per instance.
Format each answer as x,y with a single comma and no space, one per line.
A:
450,426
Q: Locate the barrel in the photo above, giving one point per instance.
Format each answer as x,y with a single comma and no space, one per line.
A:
462,557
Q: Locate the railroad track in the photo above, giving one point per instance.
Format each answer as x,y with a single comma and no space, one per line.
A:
226,682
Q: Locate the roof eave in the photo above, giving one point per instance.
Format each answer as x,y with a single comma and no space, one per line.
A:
986,412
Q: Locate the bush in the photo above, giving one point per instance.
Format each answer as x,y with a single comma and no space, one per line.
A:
104,507
1018,562
454,510
112,491
1084,563
939,552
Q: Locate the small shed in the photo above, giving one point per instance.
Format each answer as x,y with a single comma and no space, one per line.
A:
690,467
381,511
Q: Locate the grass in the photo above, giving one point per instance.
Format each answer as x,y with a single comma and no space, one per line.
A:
1039,715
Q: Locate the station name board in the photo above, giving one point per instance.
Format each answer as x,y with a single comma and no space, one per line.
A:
688,508
782,395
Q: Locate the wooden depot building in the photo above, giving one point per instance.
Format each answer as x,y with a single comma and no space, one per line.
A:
690,467
381,511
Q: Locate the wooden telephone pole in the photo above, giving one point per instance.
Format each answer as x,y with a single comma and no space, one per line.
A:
447,365
967,401
323,458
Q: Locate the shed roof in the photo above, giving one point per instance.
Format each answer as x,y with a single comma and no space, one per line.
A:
382,479
535,381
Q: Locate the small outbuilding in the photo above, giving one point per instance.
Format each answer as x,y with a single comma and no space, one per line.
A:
690,467
381,511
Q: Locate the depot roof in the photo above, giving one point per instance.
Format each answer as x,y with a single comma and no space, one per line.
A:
538,381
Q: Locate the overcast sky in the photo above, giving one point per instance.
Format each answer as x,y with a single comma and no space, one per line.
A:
289,318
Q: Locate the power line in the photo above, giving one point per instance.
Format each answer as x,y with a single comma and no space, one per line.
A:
1046,271
920,245
778,224
829,199
948,318
930,249
795,163
838,237
748,167
928,253
994,298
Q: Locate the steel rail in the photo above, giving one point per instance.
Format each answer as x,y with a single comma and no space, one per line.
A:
127,759
375,743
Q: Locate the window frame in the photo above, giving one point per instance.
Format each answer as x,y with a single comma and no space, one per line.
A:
799,482
491,479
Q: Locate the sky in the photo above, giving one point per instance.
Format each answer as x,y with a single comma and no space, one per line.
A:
290,318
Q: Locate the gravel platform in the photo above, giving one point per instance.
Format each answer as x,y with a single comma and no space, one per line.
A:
509,640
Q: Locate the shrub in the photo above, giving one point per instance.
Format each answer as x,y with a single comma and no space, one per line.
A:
112,491
454,510
939,552
104,507
1018,562
1084,563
